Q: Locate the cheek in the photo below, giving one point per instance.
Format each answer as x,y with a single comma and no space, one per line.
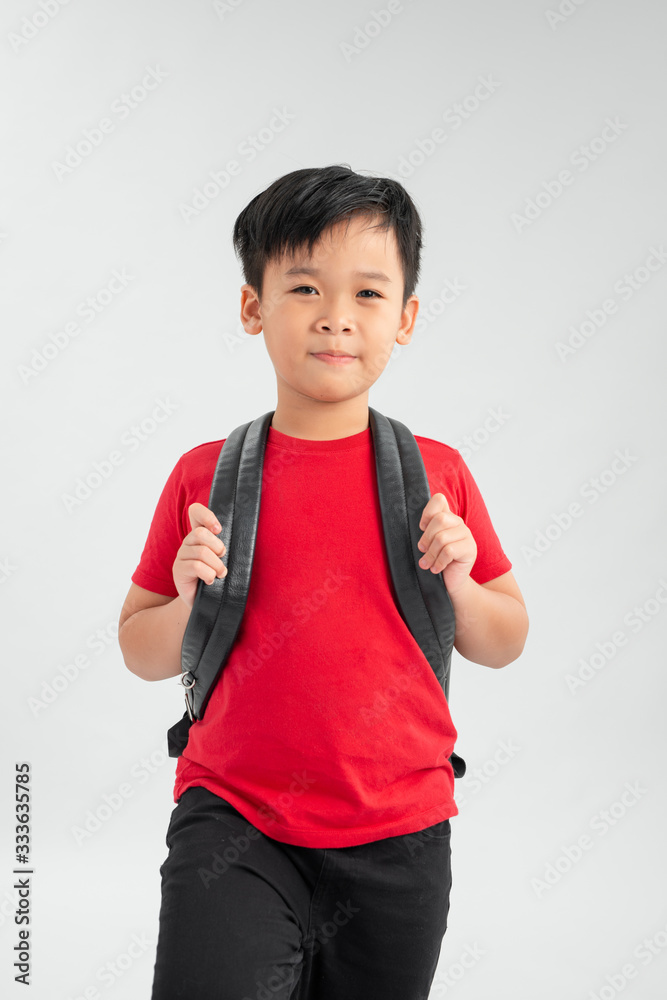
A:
287,357
377,356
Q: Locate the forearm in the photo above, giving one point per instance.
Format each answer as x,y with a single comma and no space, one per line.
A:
151,640
491,627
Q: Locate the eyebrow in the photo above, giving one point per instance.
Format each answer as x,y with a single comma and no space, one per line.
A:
371,275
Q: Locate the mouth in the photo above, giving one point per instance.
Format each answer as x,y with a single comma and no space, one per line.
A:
335,357
335,354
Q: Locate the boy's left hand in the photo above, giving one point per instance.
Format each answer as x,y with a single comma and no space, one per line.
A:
447,543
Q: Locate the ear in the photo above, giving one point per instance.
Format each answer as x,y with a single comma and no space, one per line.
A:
250,310
408,318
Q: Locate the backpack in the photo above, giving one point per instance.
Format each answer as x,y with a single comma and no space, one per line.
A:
421,596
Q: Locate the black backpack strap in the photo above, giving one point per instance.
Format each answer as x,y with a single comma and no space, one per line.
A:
218,607
420,595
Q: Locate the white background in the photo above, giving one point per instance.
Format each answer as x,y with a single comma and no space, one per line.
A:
547,926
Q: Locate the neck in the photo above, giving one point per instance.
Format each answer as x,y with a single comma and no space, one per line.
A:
322,421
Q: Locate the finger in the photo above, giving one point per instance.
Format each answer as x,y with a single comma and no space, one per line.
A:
204,563
436,563
201,515
436,504
203,536
440,521
434,554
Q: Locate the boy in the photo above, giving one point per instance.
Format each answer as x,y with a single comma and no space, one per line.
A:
309,848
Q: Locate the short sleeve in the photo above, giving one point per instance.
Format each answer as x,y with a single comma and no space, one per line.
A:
154,571
491,559
448,474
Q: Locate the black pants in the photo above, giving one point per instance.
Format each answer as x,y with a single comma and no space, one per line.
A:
247,917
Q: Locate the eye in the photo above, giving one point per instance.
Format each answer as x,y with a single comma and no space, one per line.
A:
302,287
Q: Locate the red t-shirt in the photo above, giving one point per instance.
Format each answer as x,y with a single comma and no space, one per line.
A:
327,726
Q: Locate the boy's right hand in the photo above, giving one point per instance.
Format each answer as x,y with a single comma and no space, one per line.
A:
199,554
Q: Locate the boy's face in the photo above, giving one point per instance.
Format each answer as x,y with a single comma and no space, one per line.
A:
332,308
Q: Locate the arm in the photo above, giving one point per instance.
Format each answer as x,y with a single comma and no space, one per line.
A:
150,633
491,618
491,621
151,626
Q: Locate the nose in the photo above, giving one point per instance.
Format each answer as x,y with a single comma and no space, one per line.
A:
335,316
332,327
334,320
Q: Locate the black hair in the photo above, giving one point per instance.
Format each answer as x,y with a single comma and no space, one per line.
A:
297,207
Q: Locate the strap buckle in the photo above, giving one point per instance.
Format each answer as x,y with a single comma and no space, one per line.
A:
188,687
